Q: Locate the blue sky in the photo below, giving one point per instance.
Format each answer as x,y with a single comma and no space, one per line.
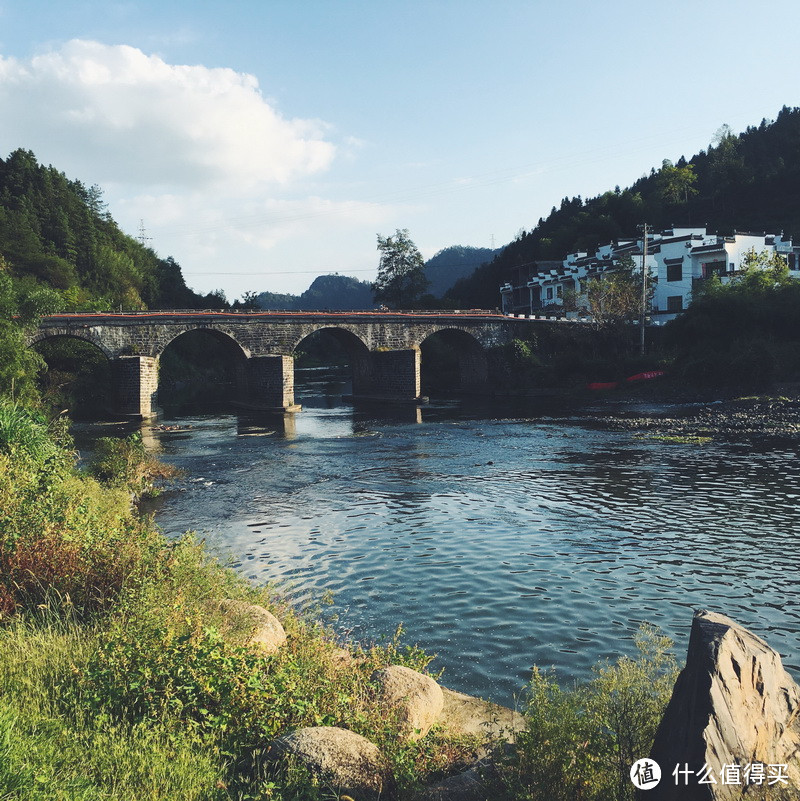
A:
263,143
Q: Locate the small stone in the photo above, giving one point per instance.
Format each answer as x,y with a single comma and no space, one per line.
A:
466,786
416,698
345,761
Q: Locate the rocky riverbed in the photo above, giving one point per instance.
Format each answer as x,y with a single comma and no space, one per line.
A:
772,418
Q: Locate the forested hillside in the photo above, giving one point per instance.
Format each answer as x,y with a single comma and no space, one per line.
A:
334,292
450,264
54,231
745,182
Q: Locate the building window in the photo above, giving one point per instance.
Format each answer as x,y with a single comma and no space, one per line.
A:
675,303
559,291
714,268
675,272
549,293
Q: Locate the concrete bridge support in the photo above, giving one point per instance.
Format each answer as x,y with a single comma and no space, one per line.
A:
136,380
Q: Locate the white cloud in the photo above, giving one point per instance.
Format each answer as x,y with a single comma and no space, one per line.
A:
113,114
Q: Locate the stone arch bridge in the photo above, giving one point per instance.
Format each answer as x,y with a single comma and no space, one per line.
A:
383,347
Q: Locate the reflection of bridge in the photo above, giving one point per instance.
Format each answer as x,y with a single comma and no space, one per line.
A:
383,348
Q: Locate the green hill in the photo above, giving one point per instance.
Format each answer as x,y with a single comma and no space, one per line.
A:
453,263
55,231
745,182
334,292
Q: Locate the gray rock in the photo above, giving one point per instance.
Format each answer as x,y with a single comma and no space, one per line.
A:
415,698
345,761
465,715
732,703
267,633
466,786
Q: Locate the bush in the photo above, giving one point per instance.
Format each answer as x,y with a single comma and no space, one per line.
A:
61,533
126,463
581,742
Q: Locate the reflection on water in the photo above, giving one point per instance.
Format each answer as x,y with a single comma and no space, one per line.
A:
499,543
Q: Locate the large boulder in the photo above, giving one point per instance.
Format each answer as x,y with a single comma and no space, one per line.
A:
265,632
345,761
733,704
415,698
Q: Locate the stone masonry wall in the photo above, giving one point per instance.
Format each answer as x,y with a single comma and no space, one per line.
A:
387,366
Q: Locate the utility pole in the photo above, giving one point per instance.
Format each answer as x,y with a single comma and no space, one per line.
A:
644,290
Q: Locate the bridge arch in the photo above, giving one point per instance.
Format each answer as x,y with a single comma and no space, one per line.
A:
358,355
79,375
218,333
40,336
199,365
453,360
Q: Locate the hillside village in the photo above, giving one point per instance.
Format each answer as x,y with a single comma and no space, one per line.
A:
676,260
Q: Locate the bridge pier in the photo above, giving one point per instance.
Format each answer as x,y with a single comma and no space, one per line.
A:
271,383
393,375
136,380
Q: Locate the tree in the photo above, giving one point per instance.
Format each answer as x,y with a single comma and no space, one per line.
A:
401,277
616,298
676,184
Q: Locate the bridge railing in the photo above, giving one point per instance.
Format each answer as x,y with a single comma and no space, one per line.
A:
149,312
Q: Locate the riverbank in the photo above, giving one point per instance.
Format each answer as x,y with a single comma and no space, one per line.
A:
668,413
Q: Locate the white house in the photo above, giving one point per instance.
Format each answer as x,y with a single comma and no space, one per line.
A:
677,259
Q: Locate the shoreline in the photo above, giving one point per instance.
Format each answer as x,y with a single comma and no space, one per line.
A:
696,418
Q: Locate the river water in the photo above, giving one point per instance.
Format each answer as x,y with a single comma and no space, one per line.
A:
499,542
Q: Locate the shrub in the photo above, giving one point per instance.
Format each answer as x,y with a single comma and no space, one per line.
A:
581,742
60,533
126,463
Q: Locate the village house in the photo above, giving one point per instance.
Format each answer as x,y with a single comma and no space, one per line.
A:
677,260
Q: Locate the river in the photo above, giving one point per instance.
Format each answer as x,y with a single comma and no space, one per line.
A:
499,541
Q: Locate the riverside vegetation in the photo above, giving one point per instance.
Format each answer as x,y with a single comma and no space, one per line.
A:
120,677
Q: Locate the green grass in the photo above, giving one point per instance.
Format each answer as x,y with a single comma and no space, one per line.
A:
121,677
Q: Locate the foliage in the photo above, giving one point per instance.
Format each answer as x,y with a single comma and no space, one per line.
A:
581,742
51,750
401,273
615,298
56,233
741,333
748,181
21,304
126,463
676,184
61,534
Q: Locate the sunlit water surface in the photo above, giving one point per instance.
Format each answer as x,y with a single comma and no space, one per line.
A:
498,543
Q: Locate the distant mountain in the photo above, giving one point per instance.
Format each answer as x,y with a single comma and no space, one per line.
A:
331,292
450,264
275,301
